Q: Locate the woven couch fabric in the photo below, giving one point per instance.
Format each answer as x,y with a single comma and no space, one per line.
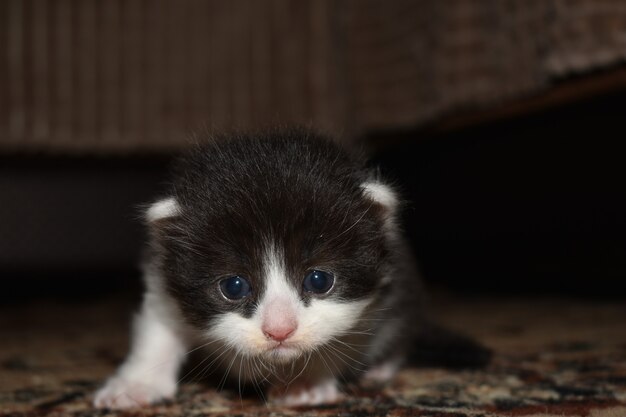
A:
120,76
552,358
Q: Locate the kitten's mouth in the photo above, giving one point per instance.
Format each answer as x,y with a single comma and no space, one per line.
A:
282,351
281,346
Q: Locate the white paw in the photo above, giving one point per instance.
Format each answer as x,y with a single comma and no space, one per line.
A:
302,394
120,393
380,374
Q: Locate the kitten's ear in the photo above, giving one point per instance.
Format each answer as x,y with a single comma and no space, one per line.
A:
162,210
385,197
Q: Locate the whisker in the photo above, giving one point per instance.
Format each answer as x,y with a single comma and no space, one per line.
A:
265,378
239,381
321,356
357,332
257,386
339,352
225,377
306,363
199,364
207,368
329,357
351,346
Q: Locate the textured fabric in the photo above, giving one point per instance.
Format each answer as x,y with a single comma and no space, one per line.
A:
119,76
552,358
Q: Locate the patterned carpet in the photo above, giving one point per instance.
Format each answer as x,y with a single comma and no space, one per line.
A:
553,357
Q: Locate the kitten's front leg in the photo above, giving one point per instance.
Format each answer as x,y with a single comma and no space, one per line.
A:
150,371
304,392
315,385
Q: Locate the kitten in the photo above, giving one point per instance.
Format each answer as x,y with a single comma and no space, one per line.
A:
279,254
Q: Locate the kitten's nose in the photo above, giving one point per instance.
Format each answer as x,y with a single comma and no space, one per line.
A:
279,333
279,319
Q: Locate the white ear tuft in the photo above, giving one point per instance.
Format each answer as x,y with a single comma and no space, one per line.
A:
381,194
163,209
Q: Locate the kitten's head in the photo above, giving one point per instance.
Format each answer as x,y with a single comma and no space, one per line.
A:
274,244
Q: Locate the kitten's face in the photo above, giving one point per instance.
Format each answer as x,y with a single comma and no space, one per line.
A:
273,245
276,283
285,312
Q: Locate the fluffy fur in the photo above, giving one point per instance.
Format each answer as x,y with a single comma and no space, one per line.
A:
271,207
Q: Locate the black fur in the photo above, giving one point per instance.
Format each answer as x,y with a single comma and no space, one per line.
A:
294,189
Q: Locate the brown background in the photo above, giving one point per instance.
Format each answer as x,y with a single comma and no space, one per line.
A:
110,77
500,120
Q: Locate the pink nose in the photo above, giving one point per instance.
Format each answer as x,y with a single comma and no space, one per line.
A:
278,333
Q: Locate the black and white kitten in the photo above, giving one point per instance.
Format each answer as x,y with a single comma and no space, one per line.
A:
280,255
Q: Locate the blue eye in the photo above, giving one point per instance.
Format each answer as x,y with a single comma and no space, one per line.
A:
235,288
318,281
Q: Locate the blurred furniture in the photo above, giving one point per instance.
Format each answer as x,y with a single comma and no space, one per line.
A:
95,97
110,77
